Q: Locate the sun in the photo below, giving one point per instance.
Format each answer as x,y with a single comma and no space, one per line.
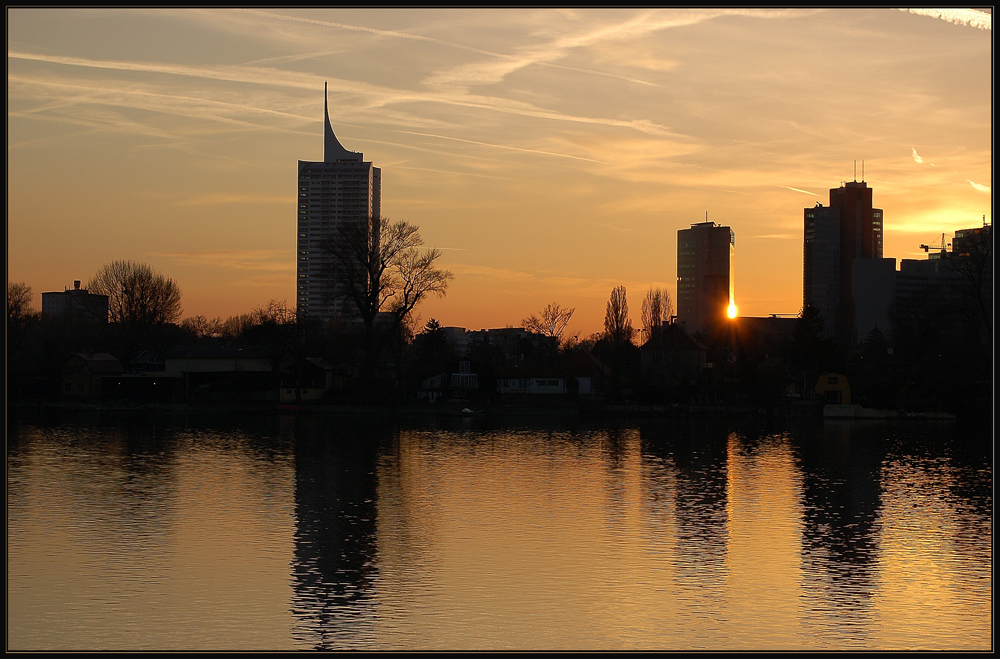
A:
731,311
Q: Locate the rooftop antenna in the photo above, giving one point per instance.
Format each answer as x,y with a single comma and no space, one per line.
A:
862,171
855,171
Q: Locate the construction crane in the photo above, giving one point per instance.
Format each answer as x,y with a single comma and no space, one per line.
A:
943,246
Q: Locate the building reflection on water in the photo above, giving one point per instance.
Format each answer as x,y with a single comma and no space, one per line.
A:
448,535
354,532
333,567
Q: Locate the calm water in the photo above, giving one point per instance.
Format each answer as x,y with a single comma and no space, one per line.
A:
344,532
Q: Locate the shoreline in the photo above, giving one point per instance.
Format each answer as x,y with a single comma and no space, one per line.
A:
560,409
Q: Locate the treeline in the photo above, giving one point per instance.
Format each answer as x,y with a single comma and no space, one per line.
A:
935,356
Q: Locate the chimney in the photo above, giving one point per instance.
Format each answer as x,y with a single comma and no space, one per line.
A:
76,284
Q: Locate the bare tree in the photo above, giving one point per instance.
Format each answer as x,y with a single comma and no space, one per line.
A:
275,311
617,325
552,321
657,308
202,326
412,278
138,296
234,326
379,267
18,302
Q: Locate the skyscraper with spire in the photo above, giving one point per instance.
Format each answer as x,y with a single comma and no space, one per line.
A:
340,191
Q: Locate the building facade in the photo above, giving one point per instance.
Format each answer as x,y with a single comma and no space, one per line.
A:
706,289
340,192
77,304
833,237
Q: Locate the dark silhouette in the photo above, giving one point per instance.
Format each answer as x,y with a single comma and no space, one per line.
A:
383,275
552,321
138,296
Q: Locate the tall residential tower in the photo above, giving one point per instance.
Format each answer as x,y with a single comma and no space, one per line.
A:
706,292
834,237
340,191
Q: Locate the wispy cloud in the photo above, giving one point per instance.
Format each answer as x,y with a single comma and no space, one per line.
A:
371,30
371,96
916,156
980,186
778,236
222,198
967,17
234,259
502,146
246,74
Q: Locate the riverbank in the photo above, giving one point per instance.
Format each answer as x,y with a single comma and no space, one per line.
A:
589,408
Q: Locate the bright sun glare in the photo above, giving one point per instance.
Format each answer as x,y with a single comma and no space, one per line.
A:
731,311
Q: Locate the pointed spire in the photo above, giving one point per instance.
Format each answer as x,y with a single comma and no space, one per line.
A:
333,150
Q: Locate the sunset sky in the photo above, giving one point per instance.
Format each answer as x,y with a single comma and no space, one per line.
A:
551,154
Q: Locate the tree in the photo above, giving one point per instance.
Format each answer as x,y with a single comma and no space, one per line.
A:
18,303
202,326
431,349
378,266
276,312
138,296
552,321
617,324
657,308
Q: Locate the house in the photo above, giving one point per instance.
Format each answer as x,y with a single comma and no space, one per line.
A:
459,379
579,374
833,388
222,372
307,379
84,373
672,357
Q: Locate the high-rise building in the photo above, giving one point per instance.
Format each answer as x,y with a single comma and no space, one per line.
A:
706,292
341,191
834,237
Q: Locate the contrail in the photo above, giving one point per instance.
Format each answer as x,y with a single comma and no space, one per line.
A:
797,190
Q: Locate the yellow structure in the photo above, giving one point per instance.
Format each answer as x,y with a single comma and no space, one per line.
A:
833,388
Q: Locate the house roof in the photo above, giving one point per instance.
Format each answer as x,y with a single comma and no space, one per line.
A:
579,364
100,362
215,352
319,362
672,337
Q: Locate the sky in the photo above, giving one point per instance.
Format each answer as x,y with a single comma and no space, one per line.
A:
550,154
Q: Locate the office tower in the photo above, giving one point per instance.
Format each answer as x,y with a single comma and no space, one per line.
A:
341,191
834,237
705,284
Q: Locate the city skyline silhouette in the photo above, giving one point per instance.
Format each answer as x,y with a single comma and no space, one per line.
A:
550,155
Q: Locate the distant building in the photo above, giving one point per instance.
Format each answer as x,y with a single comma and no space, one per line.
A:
873,289
76,304
705,275
833,389
952,288
833,237
774,330
672,357
458,339
341,191
84,374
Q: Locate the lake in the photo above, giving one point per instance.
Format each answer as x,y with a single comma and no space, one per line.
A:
147,531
